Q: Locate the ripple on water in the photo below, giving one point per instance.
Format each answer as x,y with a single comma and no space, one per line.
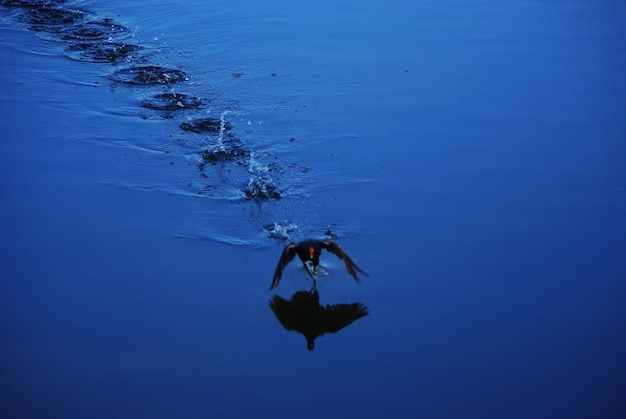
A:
146,75
168,102
49,18
205,125
112,52
226,167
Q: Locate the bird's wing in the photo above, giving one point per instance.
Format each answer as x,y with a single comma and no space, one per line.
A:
351,267
337,316
283,310
285,258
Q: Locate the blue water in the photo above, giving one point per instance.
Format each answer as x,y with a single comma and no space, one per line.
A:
469,157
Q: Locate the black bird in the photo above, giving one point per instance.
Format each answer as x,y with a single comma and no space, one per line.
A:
309,252
304,314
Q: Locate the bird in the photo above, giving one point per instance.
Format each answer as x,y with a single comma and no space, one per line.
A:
304,314
309,251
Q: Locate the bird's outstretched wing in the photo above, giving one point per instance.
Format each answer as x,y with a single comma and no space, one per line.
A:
351,267
285,258
335,317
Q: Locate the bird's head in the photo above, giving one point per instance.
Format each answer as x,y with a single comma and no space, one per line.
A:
311,252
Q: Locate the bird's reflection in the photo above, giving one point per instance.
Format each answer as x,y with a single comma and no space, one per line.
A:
304,314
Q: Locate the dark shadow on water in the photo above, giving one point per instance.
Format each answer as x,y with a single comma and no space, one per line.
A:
304,314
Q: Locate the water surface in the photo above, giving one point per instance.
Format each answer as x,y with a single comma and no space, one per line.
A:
470,158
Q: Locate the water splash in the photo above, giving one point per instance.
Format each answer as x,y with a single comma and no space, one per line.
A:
280,231
220,136
261,186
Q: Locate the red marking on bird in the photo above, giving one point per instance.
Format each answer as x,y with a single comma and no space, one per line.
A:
311,251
